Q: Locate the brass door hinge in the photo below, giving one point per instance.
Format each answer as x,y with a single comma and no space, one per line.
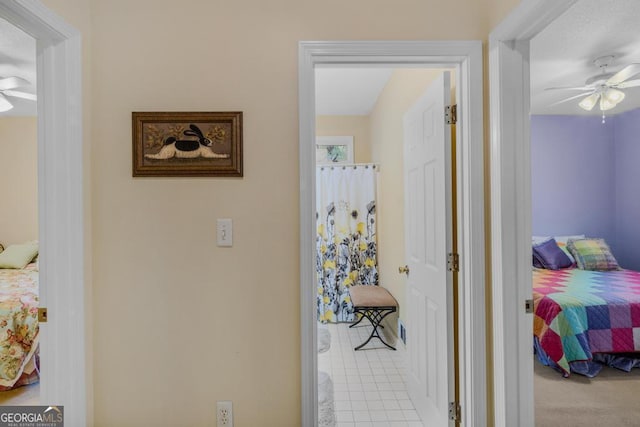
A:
453,262
454,412
451,114
42,314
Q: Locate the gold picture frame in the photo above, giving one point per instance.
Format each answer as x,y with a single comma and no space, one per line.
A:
187,143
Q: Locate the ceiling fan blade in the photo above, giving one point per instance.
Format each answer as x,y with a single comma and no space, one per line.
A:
590,101
12,83
583,88
629,83
5,105
622,75
562,101
19,94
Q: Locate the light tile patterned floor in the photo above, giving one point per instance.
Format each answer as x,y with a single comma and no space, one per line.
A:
369,385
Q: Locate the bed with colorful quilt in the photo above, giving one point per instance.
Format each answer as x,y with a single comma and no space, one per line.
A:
18,323
586,318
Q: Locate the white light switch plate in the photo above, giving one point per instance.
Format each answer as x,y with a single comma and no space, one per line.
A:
224,231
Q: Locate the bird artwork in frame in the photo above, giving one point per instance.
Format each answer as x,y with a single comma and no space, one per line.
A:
187,143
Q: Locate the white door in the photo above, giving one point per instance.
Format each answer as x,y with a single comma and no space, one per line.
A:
427,174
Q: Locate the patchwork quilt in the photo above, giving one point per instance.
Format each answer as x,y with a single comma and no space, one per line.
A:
578,313
18,325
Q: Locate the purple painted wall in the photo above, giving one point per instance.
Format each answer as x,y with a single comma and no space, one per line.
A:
572,177
586,180
626,131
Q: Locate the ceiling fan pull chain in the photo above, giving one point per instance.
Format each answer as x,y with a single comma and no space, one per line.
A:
603,117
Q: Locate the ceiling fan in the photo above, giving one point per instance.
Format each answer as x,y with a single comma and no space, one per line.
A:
7,86
605,87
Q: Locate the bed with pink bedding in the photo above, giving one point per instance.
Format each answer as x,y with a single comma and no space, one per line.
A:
584,316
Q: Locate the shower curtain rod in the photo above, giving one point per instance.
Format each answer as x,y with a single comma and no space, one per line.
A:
350,165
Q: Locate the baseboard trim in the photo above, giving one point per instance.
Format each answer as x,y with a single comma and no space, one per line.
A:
390,332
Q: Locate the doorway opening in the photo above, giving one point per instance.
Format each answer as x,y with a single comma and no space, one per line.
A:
362,114
465,58
19,332
63,263
513,136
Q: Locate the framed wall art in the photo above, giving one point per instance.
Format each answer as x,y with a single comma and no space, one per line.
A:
187,143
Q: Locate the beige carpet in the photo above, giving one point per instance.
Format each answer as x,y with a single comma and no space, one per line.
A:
610,399
26,395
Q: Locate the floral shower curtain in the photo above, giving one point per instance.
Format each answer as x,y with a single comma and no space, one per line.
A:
346,237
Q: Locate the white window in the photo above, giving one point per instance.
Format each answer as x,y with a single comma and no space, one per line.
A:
334,149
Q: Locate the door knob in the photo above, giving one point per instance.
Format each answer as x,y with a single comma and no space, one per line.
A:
404,270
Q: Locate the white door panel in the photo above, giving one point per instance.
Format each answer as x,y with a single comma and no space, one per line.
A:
427,168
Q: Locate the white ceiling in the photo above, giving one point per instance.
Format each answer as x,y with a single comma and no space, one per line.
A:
349,91
563,54
18,58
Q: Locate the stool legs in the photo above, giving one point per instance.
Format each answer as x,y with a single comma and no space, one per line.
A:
375,316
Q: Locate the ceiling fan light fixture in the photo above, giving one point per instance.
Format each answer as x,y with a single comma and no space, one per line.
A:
604,89
605,104
5,105
613,96
589,102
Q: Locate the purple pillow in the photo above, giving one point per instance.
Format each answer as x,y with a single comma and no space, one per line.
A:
549,254
536,263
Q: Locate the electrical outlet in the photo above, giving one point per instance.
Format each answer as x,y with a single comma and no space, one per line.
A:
224,413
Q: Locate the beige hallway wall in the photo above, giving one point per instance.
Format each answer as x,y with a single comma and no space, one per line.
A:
178,296
356,126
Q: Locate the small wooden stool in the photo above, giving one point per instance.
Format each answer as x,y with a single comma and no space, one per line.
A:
374,303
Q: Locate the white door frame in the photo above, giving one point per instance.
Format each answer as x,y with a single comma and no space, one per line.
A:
466,58
64,365
511,207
